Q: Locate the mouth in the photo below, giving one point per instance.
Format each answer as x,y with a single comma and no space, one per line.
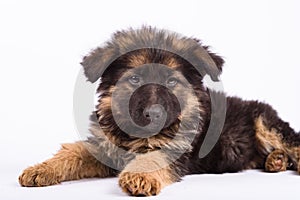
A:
154,126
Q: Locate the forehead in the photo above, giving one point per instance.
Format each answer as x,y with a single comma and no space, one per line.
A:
153,69
141,57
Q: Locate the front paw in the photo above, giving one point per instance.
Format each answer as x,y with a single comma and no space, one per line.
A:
37,176
139,184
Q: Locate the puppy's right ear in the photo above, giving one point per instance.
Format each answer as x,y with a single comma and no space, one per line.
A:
96,62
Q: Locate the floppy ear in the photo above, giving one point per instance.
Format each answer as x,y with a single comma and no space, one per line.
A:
96,62
219,61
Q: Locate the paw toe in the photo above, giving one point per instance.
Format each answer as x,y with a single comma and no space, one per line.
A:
139,184
37,176
276,161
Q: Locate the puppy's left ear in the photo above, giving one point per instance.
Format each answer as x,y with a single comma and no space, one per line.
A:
96,62
219,61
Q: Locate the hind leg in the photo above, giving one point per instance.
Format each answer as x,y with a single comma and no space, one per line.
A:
295,164
276,161
272,133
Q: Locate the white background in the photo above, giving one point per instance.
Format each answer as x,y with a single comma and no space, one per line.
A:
43,42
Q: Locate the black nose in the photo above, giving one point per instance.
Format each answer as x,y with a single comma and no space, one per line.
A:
154,112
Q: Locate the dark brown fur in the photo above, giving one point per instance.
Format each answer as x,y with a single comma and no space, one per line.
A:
253,136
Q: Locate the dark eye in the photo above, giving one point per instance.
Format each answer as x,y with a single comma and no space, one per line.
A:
171,82
134,80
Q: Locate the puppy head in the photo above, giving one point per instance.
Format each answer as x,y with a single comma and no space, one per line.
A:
147,90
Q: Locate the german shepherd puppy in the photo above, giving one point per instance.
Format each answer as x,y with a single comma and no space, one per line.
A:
156,121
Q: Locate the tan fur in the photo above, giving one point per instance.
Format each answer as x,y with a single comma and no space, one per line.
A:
72,162
137,60
146,175
295,153
192,102
171,62
142,58
276,161
106,102
270,140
